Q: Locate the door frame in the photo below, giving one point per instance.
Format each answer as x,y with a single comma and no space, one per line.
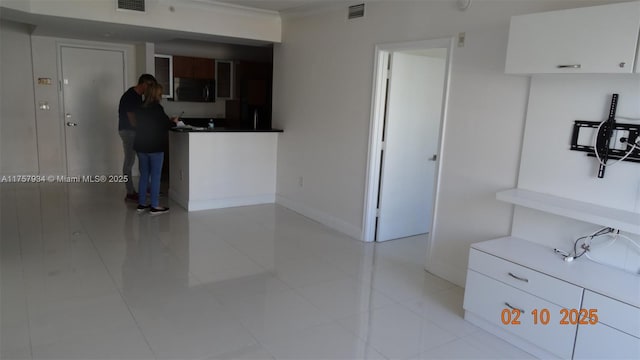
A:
378,107
126,50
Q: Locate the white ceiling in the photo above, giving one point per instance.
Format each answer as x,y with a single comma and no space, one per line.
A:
91,30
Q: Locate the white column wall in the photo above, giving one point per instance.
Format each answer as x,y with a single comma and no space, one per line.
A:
18,147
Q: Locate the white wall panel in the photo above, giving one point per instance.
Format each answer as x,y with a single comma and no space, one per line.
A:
18,147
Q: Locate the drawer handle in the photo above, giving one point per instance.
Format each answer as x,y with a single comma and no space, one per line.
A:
572,66
513,307
518,277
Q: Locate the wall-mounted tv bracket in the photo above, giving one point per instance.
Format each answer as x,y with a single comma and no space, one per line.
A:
607,146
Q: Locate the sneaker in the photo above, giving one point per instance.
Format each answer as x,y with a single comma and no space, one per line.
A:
158,211
131,197
142,208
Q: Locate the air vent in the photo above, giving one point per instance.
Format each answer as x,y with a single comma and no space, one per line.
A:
133,5
356,11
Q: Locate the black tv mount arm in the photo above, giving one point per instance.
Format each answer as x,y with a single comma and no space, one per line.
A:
603,148
603,138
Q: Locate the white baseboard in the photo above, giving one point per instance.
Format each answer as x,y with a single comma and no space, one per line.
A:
447,271
321,217
195,205
209,204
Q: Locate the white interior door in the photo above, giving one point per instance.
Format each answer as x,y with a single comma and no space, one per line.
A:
411,141
93,81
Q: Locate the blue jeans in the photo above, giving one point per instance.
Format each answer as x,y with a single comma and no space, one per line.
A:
150,169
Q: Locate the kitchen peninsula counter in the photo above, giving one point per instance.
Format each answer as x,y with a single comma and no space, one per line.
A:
222,129
222,167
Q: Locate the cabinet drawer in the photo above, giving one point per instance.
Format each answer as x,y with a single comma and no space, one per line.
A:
602,342
613,313
556,291
487,298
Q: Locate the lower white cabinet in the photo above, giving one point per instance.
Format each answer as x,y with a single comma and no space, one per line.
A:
615,336
511,282
603,342
496,301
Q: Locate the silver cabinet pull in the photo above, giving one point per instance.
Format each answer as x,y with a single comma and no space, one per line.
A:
513,307
572,66
518,277
71,124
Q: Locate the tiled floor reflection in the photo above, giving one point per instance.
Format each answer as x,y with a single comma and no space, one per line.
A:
86,277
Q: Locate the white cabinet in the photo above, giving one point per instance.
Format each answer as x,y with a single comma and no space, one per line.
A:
615,336
598,39
489,298
511,273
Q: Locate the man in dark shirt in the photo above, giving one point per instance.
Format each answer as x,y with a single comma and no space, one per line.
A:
130,101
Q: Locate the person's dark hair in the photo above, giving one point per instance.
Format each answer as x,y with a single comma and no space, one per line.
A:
148,79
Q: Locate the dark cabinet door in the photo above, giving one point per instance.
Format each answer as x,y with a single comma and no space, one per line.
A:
253,90
183,67
224,80
204,68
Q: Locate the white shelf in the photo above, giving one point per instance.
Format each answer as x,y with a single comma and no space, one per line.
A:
601,215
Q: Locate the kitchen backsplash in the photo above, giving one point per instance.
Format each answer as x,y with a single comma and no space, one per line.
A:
194,109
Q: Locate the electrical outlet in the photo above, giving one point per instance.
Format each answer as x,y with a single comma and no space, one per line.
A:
461,38
300,182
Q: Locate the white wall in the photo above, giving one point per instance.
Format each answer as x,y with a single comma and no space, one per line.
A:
547,165
18,148
322,98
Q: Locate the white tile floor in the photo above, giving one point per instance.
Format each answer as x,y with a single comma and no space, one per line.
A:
86,277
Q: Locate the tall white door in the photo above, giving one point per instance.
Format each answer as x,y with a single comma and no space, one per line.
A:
92,84
411,141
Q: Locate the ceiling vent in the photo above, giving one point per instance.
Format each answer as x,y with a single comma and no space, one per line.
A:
131,5
356,11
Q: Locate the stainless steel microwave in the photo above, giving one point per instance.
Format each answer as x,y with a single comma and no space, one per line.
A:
194,90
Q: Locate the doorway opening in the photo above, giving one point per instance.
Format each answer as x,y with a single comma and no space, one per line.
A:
409,108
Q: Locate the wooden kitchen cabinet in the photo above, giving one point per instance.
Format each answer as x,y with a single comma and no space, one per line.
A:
193,68
182,67
204,68
596,39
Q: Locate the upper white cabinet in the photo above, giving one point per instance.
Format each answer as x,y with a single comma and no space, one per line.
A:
598,39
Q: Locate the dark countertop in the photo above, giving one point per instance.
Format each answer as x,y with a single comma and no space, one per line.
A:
221,129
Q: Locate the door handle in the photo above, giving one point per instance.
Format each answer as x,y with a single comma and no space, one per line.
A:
434,157
69,123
